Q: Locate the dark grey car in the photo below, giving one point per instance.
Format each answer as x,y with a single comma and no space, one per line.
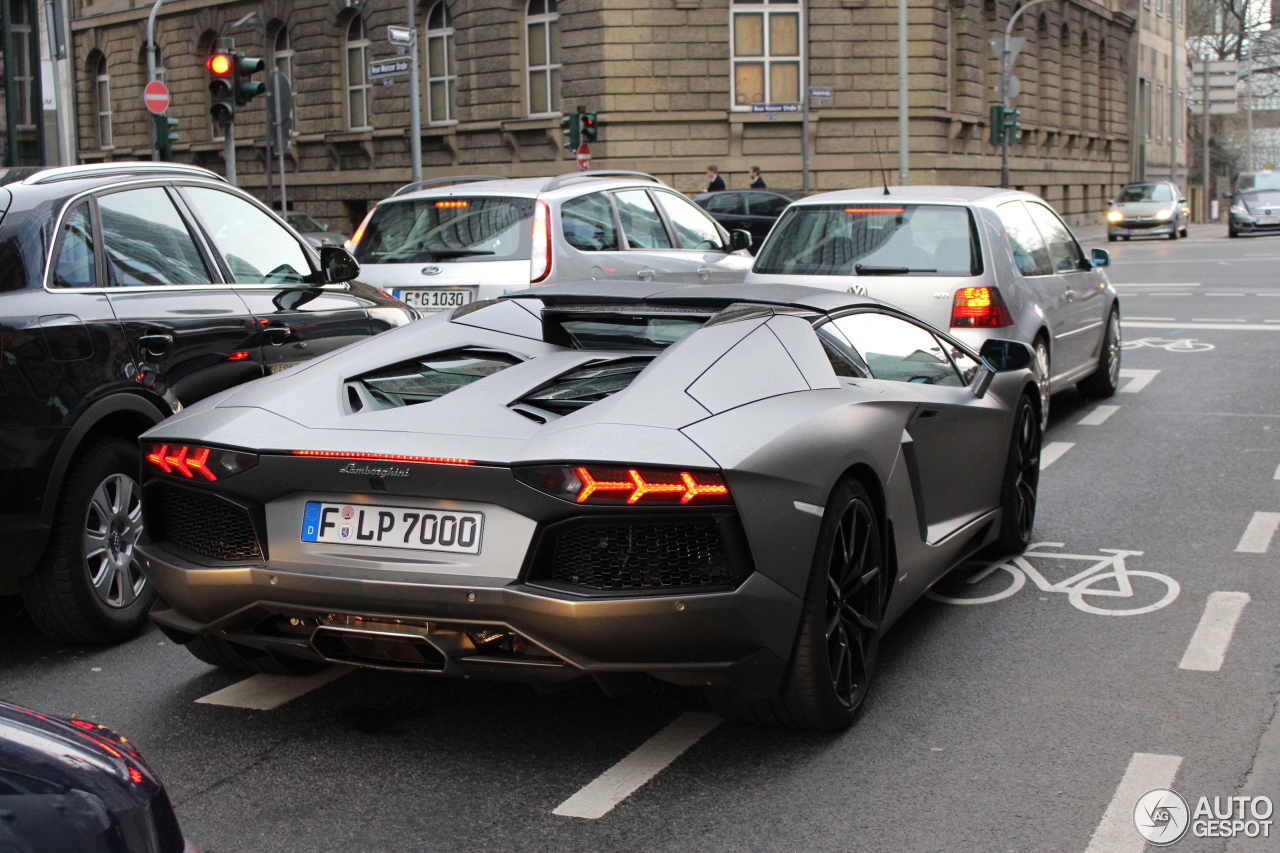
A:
731,487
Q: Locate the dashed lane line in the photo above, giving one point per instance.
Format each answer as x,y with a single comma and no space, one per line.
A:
1138,379
1277,476
1162,284
1116,833
1218,320
1208,646
1157,319
1197,324
1257,536
623,779
1098,416
266,691
1053,451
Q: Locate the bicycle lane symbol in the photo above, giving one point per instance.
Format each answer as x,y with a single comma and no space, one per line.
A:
1079,587
1169,344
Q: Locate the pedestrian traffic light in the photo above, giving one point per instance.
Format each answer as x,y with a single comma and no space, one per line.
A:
1004,122
222,95
165,135
572,129
587,122
246,90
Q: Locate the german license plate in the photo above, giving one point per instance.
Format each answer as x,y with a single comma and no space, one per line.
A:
433,298
393,527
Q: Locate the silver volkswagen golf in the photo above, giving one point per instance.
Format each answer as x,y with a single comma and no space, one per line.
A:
981,263
448,242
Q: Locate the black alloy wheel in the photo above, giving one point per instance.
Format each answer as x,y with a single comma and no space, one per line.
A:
839,635
1020,489
855,578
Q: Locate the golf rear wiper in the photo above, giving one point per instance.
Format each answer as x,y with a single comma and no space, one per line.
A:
868,270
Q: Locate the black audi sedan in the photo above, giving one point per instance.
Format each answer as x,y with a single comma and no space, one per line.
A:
747,210
128,291
72,786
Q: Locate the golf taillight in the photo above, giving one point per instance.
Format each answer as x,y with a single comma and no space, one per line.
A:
196,462
979,308
540,259
627,486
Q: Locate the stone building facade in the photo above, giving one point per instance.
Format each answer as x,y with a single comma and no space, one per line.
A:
671,80
1159,92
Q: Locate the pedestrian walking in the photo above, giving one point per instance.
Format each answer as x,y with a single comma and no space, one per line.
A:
717,182
757,182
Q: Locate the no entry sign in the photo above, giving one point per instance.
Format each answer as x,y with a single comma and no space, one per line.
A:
156,97
584,156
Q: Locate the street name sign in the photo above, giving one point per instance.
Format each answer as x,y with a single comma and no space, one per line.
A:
388,67
775,108
400,35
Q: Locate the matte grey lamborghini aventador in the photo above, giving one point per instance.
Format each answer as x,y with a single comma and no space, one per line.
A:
737,487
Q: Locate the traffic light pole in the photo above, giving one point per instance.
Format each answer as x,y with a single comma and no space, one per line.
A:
1006,62
229,140
151,70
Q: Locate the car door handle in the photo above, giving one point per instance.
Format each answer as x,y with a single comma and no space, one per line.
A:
156,342
704,273
646,274
276,335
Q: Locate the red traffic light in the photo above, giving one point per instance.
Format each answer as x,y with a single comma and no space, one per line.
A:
220,64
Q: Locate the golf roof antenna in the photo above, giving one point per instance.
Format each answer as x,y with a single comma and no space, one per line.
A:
883,178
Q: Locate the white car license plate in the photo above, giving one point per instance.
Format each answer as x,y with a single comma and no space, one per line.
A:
433,298
393,527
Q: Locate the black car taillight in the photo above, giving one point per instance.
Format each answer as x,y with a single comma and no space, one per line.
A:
196,462
626,486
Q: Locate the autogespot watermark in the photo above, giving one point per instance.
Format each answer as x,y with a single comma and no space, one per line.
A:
1162,817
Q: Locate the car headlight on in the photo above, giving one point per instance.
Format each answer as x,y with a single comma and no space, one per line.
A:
1115,216
1239,210
1164,215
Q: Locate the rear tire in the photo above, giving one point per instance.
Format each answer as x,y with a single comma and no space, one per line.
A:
1104,381
835,650
225,654
1019,492
89,589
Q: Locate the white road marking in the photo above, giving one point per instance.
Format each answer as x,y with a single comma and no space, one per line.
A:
1053,451
1271,321
1277,472
624,778
1116,833
812,509
1220,326
1257,536
1216,320
1216,293
1208,646
266,691
1138,379
1170,319
1144,284
1098,416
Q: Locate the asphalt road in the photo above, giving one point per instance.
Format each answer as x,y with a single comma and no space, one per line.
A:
1000,726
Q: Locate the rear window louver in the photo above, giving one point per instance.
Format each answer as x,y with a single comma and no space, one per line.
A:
426,378
584,385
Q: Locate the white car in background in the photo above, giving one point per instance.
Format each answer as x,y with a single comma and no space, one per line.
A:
446,242
981,263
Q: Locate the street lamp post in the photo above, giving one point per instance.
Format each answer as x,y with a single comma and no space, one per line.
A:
1006,60
904,92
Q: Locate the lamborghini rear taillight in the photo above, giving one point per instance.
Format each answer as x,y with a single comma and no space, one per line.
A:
627,486
979,308
194,462
540,258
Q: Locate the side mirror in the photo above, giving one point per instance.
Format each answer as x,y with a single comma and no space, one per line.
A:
338,264
739,239
1100,258
981,381
1004,356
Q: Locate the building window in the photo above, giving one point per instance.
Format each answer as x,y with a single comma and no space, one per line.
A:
766,51
358,88
102,102
542,28
21,30
282,53
441,76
